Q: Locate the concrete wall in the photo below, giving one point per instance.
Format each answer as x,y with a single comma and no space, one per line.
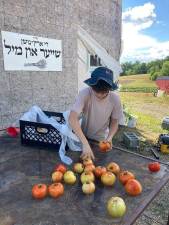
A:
83,66
102,20
50,90
57,19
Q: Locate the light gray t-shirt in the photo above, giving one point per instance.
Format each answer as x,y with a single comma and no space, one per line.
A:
97,113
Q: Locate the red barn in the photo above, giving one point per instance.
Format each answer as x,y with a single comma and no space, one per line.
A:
163,83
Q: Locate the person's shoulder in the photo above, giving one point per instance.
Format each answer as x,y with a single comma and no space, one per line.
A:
85,91
114,95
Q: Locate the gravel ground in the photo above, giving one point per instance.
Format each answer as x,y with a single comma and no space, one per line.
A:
158,210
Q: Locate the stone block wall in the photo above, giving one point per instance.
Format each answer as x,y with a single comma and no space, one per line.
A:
57,19
54,91
102,20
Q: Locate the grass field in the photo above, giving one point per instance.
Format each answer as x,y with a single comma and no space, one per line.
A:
137,83
150,110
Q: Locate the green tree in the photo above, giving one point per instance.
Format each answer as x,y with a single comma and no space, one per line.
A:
137,67
165,69
154,66
126,67
140,68
166,58
154,75
143,68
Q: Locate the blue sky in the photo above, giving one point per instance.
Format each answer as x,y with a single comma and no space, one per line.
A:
145,33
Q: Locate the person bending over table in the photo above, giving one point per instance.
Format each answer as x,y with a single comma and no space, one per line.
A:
100,108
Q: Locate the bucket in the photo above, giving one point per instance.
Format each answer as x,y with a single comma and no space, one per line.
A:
132,122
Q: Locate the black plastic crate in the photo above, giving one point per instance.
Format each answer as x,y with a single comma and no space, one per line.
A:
40,134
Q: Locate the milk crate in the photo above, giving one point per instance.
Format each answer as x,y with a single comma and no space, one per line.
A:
40,134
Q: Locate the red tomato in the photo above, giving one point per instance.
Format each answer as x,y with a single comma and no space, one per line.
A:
154,166
133,187
62,168
99,170
104,146
39,191
125,175
56,190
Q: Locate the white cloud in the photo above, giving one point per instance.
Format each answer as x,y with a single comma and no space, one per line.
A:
137,45
140,12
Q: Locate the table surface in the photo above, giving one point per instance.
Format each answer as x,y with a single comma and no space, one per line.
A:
21,167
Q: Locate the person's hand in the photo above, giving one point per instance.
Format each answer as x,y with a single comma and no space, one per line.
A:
87,152
110,142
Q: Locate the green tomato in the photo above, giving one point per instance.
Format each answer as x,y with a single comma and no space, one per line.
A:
116,207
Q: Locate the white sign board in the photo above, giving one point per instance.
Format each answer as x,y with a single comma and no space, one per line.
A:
26,52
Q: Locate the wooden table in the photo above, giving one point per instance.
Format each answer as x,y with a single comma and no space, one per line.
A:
21,167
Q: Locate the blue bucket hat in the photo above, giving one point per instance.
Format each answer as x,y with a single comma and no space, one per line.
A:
102,73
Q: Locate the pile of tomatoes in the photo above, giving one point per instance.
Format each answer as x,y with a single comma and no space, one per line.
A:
88,173
56,189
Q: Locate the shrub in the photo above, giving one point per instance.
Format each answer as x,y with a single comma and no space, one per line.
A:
153,76
138,89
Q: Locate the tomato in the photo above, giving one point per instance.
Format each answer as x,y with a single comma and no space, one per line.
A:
116,207
87,162
61,167
89,167
88,187
99,170
56,190
87,177
154,166
133,187
108,178
124,176
69,177
78,167
113,167
39,191
57,176
104,146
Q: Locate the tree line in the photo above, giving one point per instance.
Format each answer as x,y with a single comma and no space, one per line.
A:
156,68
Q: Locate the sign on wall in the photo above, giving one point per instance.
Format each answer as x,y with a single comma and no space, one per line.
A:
26,52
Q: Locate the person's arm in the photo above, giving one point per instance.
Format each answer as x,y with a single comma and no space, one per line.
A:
75,125
112,130
116,115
